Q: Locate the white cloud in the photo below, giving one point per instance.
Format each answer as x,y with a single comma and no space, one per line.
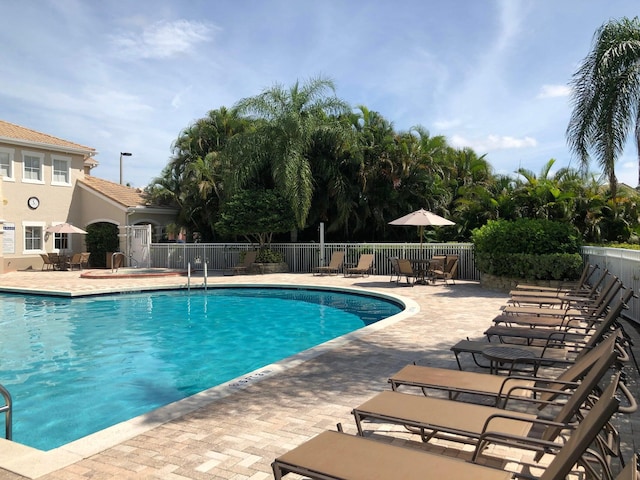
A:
447,124
552,91
177,100
493,142
163,39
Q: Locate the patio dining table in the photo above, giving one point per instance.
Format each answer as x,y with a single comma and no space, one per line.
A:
424,268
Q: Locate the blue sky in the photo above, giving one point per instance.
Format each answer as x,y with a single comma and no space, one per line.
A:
125,76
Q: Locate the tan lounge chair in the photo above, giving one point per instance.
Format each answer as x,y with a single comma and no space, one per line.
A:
553,353
574,334
249,259
395,269
608,292
537,317
468,423
75,261
335,264
405,269
449,272
364,266
334,455
584,283
581,302
499,388
47,262
84,260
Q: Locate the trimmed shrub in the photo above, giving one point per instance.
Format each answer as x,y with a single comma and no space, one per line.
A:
528,248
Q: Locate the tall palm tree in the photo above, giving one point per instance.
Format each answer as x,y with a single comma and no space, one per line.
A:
288,120
606,96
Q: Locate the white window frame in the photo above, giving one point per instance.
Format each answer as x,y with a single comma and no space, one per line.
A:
61,239
9,152
40,157
58,238
67,162
25,226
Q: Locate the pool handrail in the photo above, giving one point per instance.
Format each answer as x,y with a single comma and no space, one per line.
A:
7,409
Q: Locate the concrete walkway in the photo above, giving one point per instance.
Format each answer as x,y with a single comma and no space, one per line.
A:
236,430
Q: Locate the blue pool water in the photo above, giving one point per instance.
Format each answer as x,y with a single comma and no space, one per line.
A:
77,366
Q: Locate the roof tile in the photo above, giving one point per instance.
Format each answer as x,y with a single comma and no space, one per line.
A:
12,131
122,194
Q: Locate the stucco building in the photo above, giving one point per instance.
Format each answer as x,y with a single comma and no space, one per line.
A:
45,181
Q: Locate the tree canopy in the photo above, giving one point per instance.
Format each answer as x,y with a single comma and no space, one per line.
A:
352,170
606,97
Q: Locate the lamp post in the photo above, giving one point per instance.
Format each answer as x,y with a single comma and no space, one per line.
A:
123,154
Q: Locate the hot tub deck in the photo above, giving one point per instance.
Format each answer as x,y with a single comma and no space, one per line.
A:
237,434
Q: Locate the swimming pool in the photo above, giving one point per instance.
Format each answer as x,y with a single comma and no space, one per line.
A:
76,366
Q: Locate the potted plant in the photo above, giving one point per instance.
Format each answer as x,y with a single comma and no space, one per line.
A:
257,215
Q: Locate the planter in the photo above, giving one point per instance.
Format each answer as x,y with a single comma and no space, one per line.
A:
261,268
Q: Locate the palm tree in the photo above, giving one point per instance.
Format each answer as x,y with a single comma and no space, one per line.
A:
606,96
287,121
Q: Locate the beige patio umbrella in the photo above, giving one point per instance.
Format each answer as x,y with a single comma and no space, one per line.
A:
421,218
65,228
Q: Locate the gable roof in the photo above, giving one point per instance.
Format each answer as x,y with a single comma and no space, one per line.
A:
11,133
121,194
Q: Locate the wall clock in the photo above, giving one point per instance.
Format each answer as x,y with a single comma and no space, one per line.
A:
33,202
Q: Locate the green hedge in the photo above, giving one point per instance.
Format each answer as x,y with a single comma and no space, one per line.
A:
528,248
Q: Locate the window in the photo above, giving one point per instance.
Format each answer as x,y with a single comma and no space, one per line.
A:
33,238
6,163
32,167
60,171
61,241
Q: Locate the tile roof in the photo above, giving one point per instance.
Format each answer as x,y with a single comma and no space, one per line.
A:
16,132
122,194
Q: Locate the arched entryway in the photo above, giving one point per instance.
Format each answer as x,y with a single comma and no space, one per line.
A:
101,239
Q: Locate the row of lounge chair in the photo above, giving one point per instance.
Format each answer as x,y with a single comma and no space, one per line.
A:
443,267
336,265
559,412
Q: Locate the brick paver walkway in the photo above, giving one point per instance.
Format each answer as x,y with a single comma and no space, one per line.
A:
235,432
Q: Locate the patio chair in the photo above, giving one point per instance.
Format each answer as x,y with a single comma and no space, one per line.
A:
336,455
567,333
468,423
84,260
395,269
364,266
581,289
606,294
448,272
565,317
500,388
577,287
47,262
335,264
554,351
75,261
405,269
248,260
587,302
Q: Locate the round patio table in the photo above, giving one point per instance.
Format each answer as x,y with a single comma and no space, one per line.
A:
501,354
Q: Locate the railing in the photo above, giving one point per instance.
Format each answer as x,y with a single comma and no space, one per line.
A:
623,263
304,257
6,409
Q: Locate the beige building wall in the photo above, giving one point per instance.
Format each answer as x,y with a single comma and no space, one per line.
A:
52,205
32,203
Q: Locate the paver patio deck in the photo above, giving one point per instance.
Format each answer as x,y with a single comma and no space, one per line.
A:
237,431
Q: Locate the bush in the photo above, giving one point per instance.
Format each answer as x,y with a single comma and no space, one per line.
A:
266,255
528,248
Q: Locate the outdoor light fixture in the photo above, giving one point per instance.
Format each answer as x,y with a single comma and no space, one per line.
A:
123,154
